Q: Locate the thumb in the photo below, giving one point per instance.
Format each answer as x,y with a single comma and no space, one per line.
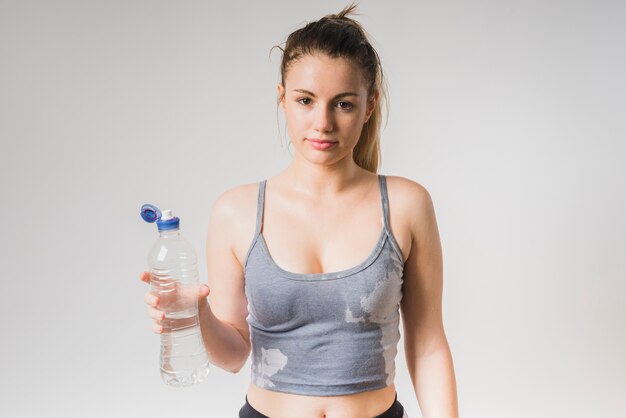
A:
203,291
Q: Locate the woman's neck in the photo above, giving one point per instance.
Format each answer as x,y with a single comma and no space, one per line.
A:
318,180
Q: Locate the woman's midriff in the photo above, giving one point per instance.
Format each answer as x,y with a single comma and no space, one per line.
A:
285,405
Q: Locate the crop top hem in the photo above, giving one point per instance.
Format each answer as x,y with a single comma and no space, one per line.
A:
329,390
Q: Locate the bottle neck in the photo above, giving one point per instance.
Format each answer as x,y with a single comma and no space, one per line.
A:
169,233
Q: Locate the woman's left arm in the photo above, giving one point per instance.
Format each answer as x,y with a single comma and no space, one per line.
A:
427,352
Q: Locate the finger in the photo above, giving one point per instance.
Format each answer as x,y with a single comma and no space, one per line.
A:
157,328
155,314
204,291
151,300
145,277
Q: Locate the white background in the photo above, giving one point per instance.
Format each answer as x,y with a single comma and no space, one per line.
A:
511,113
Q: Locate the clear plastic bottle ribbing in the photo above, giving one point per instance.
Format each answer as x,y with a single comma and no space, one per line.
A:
174,278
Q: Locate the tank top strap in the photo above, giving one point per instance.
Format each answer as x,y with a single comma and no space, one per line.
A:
385,200
260,204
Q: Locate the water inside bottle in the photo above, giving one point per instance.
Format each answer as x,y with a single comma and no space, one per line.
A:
183,356
184,359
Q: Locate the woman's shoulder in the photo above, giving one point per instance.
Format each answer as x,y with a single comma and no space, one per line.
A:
405,190
233,218
410,200
236,201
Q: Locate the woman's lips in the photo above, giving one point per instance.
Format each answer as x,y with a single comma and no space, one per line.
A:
321,144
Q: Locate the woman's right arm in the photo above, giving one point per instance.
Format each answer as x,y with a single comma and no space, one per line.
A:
223,322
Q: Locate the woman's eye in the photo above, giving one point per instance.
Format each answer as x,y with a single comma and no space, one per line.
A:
304,101
345,105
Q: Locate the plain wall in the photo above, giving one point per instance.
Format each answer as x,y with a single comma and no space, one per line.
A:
511,114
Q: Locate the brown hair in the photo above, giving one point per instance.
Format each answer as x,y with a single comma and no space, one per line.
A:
337,35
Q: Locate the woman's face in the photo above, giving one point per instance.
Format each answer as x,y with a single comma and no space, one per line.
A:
325,99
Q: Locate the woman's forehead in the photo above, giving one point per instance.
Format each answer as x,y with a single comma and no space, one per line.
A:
322,74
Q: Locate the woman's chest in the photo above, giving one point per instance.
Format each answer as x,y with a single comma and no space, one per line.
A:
367,293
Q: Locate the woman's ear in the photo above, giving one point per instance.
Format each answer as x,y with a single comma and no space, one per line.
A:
371,105
281,95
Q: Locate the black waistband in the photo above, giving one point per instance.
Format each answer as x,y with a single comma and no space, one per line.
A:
396,410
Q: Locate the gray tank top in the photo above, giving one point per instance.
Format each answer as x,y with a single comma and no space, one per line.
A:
324,334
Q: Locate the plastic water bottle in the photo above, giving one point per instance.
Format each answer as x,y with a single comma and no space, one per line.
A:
174,279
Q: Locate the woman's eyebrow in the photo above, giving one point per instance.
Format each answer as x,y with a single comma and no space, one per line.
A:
340,95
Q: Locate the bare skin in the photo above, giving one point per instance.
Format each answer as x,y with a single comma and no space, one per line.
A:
326,197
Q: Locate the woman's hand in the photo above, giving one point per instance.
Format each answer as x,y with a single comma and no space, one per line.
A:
180,298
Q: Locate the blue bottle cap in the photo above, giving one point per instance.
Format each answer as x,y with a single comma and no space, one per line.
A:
150,213
168,221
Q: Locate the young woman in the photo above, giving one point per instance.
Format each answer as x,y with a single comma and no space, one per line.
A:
310,270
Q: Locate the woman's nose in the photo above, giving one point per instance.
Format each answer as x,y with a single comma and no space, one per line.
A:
323,121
